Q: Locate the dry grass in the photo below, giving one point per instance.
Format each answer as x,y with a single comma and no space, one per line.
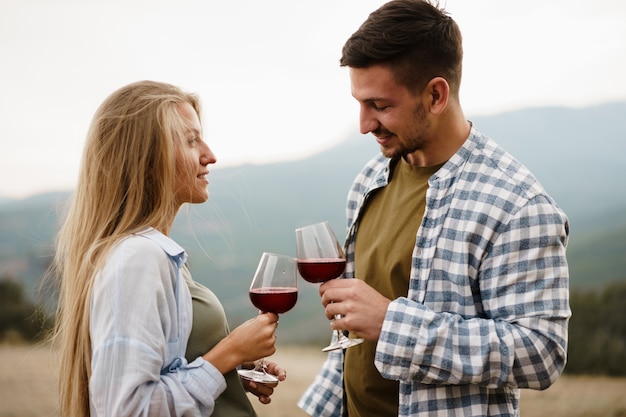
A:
28,388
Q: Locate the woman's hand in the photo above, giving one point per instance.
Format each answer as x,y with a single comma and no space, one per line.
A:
252,340
264,391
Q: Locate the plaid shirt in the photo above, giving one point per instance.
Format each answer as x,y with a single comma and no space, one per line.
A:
488,302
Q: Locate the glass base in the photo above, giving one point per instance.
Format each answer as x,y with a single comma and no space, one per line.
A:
343,343
258,376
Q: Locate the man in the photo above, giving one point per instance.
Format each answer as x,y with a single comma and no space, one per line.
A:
461,288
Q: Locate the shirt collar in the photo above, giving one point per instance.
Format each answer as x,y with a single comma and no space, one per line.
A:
173,249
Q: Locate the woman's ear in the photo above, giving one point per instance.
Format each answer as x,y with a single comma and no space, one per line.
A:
437,92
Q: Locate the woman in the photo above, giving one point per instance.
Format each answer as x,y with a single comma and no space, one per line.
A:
125,307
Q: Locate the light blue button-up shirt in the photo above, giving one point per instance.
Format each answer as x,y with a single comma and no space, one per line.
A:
141,317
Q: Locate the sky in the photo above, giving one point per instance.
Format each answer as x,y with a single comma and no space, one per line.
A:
267,71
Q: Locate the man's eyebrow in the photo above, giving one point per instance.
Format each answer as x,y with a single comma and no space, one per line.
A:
370,99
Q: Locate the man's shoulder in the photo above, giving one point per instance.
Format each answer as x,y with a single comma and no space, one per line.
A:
490,163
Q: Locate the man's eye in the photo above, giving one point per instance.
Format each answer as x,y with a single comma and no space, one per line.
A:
378,107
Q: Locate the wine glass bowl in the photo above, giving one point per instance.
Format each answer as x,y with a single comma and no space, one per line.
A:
274,300
273,289
319,270
320,258
274,285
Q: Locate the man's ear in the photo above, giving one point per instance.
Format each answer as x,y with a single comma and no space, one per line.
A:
437,92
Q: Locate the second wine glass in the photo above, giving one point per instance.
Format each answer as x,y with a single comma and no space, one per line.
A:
274,289
321,258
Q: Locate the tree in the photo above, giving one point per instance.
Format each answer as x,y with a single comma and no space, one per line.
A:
19,316
597,331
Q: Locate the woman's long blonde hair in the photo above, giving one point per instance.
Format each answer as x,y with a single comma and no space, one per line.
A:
126,183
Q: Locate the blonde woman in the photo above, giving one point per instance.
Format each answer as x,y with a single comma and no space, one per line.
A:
125,298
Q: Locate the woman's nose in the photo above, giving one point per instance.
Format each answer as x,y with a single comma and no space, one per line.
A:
207,156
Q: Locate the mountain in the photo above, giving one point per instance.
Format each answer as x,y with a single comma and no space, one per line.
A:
575,153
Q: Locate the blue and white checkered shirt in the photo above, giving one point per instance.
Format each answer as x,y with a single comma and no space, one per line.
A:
488,303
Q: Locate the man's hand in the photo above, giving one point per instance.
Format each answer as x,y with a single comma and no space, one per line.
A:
362,308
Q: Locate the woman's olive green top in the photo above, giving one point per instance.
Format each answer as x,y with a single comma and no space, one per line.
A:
209,327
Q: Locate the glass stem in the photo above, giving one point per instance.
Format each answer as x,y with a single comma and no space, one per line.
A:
340,335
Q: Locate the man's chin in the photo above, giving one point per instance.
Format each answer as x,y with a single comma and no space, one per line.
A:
390,153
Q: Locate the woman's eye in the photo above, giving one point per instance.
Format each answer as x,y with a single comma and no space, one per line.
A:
193,140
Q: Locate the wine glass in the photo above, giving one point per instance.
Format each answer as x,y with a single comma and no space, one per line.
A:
274,289
321,258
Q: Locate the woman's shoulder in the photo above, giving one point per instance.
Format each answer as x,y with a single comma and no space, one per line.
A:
150,243
139,245
147,250
142,259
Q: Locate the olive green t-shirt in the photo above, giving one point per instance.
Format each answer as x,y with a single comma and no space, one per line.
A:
208,328
384,244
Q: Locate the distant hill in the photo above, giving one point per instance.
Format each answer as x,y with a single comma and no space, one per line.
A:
575,153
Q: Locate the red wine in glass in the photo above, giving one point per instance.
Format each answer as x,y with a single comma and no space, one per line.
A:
321,258
274,289
318,270
277,300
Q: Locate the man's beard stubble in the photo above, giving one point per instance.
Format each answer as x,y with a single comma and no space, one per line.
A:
413,140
